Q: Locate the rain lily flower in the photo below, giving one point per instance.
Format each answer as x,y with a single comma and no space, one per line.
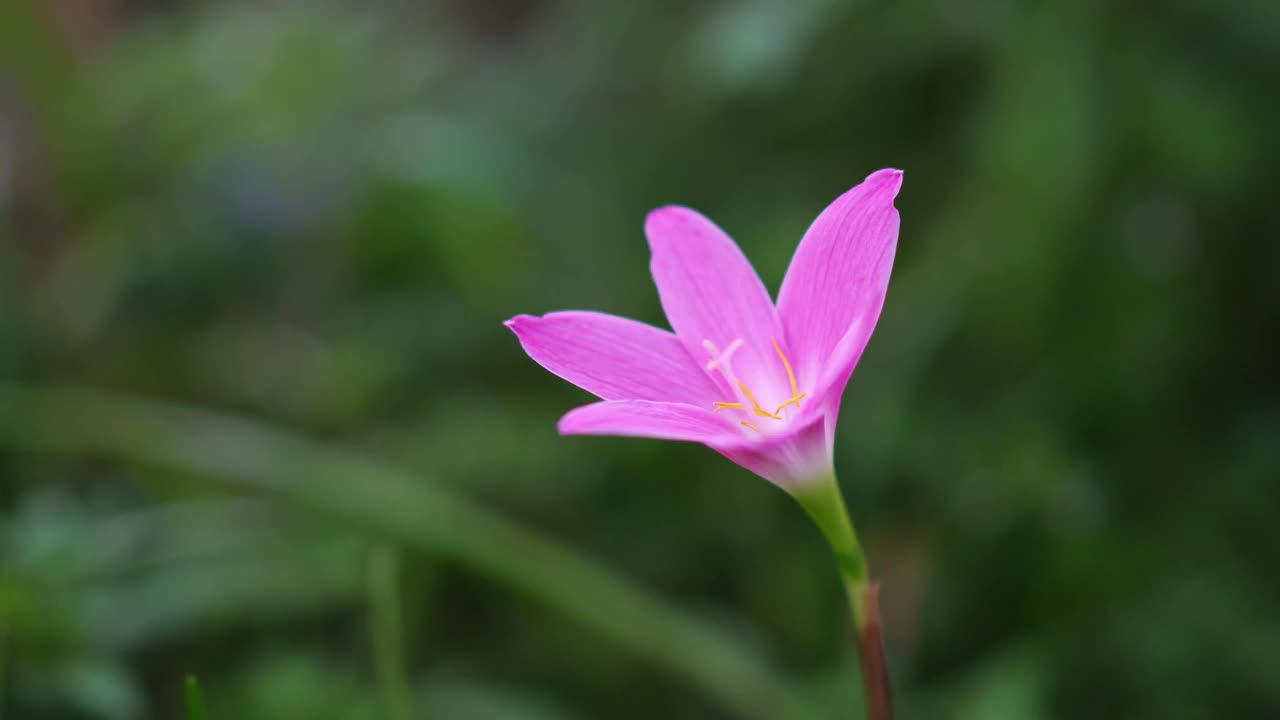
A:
757,382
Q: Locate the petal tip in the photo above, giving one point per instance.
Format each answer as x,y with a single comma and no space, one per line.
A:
520,323
664,217
569,424
889,179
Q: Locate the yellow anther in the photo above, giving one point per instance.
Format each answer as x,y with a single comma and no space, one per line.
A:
795,392
720,361
793,401
757,409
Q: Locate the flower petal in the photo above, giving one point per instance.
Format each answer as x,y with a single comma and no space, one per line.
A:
710,292
789,459
832,294
613,357
641,418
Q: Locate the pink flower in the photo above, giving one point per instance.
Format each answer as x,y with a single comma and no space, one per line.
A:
758,383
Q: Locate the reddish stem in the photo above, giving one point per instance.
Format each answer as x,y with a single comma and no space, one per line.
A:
875,672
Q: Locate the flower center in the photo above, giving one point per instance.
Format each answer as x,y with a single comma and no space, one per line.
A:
721,362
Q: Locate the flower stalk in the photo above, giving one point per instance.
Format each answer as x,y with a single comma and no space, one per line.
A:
823,502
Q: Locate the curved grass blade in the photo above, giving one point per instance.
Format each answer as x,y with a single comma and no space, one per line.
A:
386,623
414,511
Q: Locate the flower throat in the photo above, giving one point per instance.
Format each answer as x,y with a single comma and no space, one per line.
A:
721,361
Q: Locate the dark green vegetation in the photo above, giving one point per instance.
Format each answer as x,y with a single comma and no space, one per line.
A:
195,699
260,421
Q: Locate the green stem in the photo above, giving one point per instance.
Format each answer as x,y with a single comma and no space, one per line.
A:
387,626
821,498
195,700
3,668
412,510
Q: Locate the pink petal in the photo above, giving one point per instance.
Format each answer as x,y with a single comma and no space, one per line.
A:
614,358
641,418
832,294
710,292
800,454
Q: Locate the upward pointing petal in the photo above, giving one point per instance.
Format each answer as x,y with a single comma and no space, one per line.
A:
613,357
832,294
710,292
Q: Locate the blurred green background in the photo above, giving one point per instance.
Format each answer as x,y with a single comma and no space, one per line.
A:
260,421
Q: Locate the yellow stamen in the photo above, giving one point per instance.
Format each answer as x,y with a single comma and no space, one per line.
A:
720,361
793,401
757,409
795,392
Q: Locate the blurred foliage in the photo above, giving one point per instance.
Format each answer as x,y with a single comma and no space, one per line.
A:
1062,447
195,699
